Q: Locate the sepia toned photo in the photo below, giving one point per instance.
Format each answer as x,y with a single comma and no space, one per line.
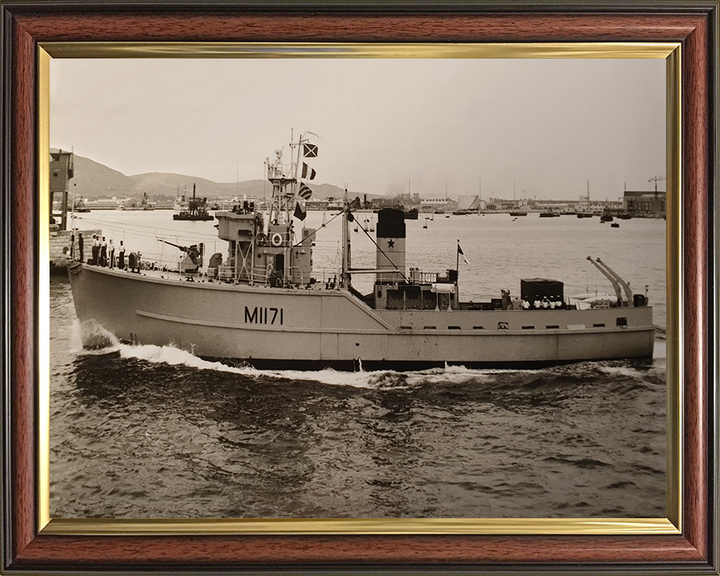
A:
358,288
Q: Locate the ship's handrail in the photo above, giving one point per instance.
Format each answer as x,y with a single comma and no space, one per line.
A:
229,273
416,276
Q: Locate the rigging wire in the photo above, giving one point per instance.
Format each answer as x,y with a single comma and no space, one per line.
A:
123,226
318,229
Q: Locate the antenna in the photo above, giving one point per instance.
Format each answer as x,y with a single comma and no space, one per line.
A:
72,213
266,167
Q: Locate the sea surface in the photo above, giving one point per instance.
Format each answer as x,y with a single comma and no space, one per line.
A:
154,432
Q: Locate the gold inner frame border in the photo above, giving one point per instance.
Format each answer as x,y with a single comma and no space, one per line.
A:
670,51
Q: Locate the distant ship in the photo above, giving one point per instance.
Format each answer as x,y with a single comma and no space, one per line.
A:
79,206
262,304
196,210
145,204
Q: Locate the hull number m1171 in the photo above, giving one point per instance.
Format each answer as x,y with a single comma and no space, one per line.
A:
260,315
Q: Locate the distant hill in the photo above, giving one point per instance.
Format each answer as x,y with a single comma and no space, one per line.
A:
168,184
95,180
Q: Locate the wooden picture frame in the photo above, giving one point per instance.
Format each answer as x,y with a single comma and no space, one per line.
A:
28,547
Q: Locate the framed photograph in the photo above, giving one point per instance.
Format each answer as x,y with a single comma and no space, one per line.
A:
360,287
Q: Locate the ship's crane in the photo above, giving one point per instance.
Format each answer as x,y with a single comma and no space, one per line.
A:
611,277
625,285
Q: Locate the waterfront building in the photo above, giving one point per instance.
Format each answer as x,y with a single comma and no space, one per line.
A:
644,203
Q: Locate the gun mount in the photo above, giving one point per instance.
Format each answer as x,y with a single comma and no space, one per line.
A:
193,259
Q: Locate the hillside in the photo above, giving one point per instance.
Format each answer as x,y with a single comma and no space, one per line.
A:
168,184
94,180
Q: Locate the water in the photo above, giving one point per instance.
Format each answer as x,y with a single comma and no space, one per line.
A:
153,432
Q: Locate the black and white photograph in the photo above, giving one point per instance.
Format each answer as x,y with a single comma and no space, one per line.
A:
357,288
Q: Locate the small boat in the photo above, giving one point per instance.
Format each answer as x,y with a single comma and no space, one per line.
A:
549,215
615,225
606,218
518,213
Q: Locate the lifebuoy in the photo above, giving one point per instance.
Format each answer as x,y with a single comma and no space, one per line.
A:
276,239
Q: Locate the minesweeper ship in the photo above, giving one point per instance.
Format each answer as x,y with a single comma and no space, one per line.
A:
261,303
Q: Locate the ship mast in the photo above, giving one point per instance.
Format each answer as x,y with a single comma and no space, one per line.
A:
282,198
347,216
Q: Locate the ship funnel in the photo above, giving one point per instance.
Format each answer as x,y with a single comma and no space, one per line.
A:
390,245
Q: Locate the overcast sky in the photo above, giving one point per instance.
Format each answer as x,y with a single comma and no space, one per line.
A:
383,125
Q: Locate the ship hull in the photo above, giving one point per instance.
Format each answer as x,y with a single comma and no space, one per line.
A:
276,327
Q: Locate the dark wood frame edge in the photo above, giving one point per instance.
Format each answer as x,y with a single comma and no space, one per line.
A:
695,551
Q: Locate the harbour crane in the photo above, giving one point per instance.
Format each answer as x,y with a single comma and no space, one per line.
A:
656,179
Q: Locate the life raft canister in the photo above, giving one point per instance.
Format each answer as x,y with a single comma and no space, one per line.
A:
276,239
